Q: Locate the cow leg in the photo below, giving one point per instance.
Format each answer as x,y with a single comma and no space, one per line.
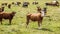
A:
27,23
39,24
10,21
1,21
57,5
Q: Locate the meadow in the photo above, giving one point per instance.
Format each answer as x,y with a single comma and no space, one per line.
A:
19,21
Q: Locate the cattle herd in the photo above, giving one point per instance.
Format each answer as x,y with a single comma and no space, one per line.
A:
33,17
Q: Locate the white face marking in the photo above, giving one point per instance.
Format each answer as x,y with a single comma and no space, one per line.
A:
54,1
42,13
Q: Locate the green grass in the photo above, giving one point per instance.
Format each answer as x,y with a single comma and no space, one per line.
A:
19,24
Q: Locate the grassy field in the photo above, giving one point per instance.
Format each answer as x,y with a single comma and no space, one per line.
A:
19,24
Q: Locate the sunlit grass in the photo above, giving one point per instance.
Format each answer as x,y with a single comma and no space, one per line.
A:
19,21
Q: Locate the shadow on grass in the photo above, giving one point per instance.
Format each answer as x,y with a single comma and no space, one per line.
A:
44,29
58,27
9,24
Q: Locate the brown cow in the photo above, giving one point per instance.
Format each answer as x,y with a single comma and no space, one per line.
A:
18,3
36,17
4,15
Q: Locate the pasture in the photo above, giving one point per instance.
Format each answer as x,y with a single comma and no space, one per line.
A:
19,21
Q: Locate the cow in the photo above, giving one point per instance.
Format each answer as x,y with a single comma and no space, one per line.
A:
2,9
5,15
25,4
18,3
13,3
35,17
4,4
9,6
54,3
35,3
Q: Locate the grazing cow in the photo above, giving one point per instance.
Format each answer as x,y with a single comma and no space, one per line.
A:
54,3
35,3
4,15
36,17
38,9
25,4
9,6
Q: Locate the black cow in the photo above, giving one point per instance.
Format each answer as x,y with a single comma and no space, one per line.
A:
9,6
25,4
